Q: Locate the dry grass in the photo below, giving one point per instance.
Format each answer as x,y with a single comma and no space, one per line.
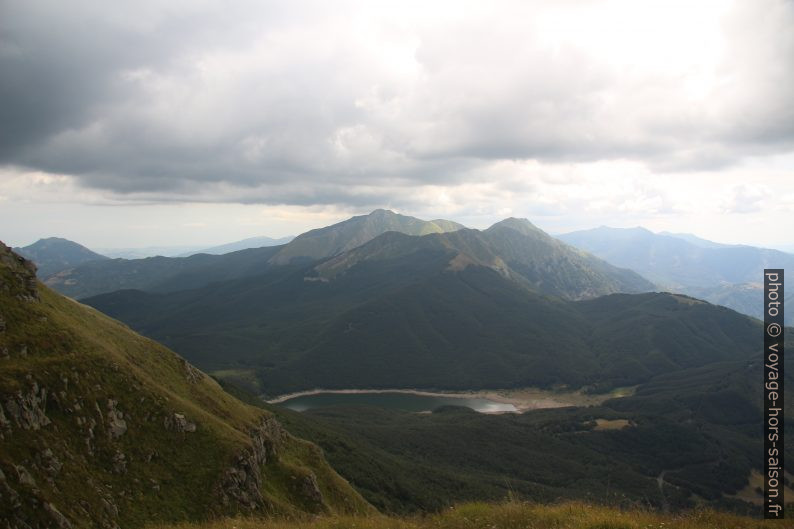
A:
513,515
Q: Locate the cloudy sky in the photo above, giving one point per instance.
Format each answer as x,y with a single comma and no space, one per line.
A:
203,121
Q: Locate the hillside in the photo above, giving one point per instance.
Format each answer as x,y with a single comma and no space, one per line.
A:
442,310
55,254
351,233
727,275
100,427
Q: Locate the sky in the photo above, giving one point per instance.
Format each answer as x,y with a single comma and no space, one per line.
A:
199,122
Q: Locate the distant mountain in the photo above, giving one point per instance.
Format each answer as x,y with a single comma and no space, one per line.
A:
100,427
697,241
148,251
54,254
252,242
673,262
343,236
159,274
459,310
788,248
728,275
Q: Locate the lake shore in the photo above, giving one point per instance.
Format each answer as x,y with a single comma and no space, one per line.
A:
523,399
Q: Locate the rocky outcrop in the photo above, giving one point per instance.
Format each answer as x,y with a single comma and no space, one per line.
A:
119,463
60,520
177,422
24,275
116,425
192,374
241,484
310,490
27,409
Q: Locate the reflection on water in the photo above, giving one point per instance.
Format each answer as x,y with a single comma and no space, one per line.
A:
395,401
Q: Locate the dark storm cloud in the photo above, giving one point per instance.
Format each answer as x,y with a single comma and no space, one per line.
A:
306,103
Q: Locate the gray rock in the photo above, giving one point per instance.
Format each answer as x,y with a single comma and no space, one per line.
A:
116,424
192,374
24,476
49,463
5,424
110,508
240,486
27,409
119,463
59,519
177,422
310,490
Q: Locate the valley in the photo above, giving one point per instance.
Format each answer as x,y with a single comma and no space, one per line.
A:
428,363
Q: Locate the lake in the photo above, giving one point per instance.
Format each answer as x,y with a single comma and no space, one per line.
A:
393,400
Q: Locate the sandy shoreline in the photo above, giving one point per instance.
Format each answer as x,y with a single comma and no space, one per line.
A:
522,398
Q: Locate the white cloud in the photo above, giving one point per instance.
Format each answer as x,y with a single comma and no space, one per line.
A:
576,112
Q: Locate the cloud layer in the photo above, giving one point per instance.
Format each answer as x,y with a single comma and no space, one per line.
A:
359,103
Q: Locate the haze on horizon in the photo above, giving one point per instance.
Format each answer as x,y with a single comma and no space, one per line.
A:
198,123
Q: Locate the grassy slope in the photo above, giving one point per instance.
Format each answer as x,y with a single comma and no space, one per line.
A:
79,364
516,515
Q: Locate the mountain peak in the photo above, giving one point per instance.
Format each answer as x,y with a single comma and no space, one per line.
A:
55,254
356,231
380,212
520,225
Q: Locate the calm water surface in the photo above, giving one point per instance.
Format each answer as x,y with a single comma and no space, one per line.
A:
395,401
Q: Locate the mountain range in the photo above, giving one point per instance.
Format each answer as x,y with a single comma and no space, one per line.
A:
462,309
729,275
536,259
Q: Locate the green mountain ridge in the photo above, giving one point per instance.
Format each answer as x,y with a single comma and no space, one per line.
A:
100,427
514,248
356,231
169,274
